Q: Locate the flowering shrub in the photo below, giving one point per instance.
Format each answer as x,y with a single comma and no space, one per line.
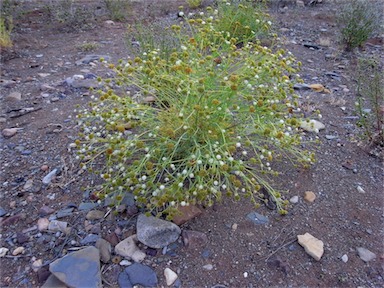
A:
204,123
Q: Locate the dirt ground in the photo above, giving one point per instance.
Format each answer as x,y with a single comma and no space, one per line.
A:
241,253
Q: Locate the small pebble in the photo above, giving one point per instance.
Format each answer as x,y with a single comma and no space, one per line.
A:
344,258
3,251
125,263
360,190
294,199
18,250
208,267
309,196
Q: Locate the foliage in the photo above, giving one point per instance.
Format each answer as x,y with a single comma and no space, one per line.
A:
68,13
194,3
152,36
5,33
118,9
245,21
88,46
370,93
358,20
221,115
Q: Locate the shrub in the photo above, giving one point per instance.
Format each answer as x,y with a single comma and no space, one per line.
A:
245,21
358,20
220,116
194,3
5,33
70,15
370,104
118,9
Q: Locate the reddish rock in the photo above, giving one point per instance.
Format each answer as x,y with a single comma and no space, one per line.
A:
112,238
194,239
13,219
186,213
45,210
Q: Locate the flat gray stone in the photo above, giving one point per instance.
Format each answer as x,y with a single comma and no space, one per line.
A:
105,249
2,212
53,282
257,218
90,238
156,233
78,269
139,274
365,254
90,58
87,206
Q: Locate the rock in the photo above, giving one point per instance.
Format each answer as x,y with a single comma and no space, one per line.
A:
360,190
56,225
186,213
3,251
312,125
300,3
13,219
194,239
309,196
79,269
139,274
365,254
53,282
294,199
311,46
90,238
9,132
36,265
87,206
109,22
21,238
123,280
13,96
64,213
18,250
44,167
45,210
2,212
105,249
90,58
48,178
128,248
43,274
170,276
125,263
208,267
257,218
312,245
344,258
156,233
299,86
112,238
86,83
94,215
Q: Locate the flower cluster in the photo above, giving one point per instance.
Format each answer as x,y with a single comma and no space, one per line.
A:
219,116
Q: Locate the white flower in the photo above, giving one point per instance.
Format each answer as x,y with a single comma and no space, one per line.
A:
215,183
162,187
183,47
178,62
238,144
181,14
180,184
183,203
218,157
191,175
224,186
244,153
199,162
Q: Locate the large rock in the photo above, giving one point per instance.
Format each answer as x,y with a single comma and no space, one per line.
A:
128,248
156,233
312,245
137,274
78,269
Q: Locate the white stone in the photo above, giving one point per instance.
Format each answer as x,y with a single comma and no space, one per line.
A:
18,250
128,248
208,267
360,190
312,125
36,265
312,245
365,254
344,258
42,224
294,199
3,251
170,276
125,262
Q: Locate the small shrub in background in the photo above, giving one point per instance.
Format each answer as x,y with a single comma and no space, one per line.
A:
193,4
358,20
5,33
88,46
208,121
245,21
119,10
72,16
370,104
